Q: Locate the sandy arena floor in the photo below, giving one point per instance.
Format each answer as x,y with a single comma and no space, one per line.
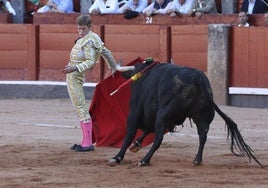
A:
35,137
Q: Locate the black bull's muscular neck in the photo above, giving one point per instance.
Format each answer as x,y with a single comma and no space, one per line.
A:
164,96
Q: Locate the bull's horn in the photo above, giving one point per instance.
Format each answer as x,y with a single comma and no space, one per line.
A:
124,68
120,62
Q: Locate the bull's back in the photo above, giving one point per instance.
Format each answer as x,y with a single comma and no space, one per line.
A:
167,71
187,88
179,92
165,83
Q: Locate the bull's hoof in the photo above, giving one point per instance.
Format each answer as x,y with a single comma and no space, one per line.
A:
113,162
197,163
134,147
142,163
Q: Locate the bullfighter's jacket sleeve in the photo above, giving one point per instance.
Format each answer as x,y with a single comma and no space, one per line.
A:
109,59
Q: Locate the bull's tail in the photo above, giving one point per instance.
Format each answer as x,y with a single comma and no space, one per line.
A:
236,138
237,141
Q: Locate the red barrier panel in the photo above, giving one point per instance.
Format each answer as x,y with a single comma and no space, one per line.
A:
18,52
249,57
6,18
189,46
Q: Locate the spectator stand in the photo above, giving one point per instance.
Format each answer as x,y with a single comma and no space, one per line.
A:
30,9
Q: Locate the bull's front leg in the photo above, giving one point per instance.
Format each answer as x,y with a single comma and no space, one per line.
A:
159,135
130,134
202,132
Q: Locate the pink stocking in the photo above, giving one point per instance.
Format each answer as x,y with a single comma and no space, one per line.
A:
83,132
87,133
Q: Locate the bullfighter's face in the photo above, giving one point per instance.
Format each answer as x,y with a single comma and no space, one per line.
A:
83,30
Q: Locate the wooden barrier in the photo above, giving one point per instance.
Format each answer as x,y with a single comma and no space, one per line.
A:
18,52
189,45
51,47
6,18
128,42
55,42
54,18
48,51
248,71
249,57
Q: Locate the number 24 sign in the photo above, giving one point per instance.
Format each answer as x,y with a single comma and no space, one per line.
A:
149,20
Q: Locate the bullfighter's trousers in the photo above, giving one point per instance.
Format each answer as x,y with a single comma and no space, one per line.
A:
75,82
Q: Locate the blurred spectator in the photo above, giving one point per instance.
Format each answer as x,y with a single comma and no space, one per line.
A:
181,7
266,18
158,7
35,2
104,7
243,19
134,5
62,6
32,6
204,7
254,6
5,6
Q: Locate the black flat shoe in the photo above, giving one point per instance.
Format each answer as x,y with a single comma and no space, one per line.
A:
75,146
84,149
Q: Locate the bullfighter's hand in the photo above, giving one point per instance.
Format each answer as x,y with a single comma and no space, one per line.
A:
69,69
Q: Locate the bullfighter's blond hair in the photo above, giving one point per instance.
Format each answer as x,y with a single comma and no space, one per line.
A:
83,19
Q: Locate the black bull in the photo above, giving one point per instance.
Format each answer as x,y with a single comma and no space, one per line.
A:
163,97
